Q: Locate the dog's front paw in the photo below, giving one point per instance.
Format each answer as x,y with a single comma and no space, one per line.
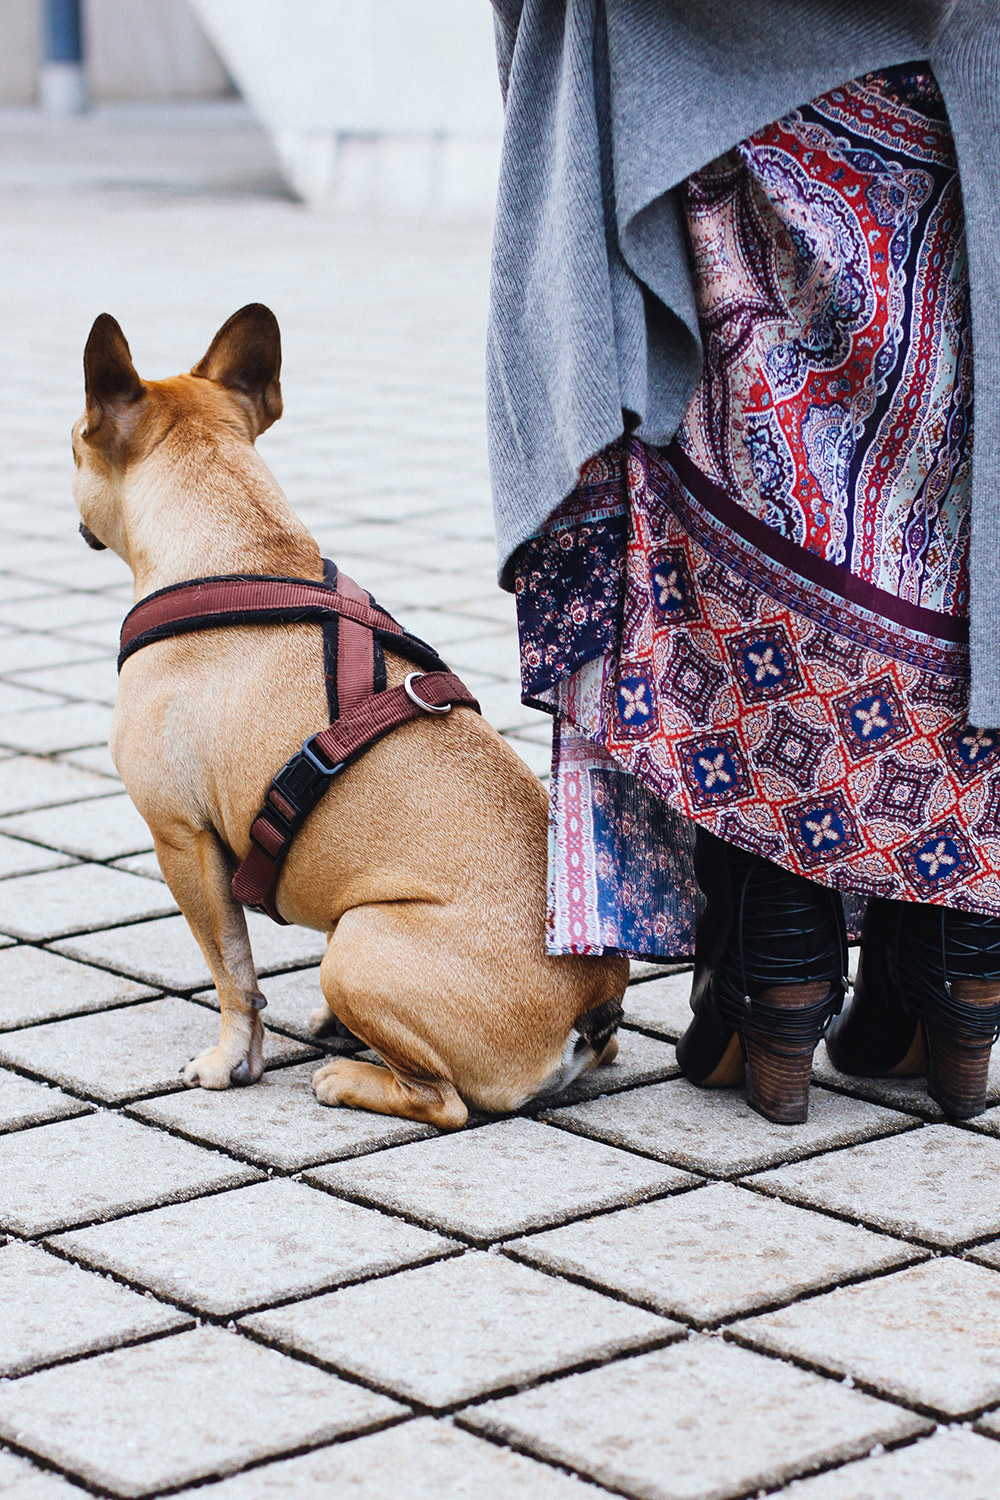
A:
214,1069
328,1082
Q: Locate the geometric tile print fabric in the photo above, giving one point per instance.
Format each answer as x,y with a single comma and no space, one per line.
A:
762,629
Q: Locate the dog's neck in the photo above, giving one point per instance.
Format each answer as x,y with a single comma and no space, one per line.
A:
199,514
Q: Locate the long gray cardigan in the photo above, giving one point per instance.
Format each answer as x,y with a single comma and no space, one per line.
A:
610,104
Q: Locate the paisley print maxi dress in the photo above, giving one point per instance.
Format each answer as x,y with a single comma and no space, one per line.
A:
762,629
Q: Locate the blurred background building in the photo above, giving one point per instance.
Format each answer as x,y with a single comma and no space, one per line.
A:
366,102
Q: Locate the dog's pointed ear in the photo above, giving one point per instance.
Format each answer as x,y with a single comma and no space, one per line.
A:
245,356
112,385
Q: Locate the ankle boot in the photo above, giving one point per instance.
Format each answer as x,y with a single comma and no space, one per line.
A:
927,1000
877,1035
769,962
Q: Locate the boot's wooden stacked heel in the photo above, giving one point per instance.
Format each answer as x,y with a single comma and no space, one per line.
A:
770,957
958,1040
779,1037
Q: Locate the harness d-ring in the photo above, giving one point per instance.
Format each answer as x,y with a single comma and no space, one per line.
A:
411,693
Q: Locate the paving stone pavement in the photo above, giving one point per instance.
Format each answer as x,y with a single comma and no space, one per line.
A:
636,1287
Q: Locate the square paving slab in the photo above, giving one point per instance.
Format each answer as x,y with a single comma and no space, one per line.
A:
259,1244
214,1400
988,1123
937,1184
660,1005
926,1335
56,612
36,985
30,781
279,1122
698,1419
25,651
50,1310
712,1253
97,759
15,699
44,731
990,1423
498,1179
106,829
23,1102
715,1130
446,1332
276,948
141,864
75,1171
896,1093
439,1461
987,1255
164,952
74,899
95,681
21,1480
19,858
951,1465
124,1053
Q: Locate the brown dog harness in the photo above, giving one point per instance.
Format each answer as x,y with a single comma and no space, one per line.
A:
362,708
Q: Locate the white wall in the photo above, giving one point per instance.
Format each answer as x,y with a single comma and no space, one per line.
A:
392,101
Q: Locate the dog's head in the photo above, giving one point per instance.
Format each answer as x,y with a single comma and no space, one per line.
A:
234,389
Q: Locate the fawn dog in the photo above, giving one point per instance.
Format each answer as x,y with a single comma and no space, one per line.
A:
425,864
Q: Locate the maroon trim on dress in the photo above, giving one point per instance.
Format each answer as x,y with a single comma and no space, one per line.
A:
832,577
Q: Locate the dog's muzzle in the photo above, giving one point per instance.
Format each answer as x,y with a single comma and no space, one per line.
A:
91,540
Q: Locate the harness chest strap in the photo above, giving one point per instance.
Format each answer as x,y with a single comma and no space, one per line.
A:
303,780
365,715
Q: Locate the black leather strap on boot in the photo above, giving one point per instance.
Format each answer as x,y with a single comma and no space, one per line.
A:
763,927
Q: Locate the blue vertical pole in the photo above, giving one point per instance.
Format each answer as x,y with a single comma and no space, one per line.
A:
62,31
61,85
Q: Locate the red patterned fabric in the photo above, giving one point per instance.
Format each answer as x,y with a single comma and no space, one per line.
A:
786,661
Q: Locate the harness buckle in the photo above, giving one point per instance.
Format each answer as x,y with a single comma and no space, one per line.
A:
302,781
414,697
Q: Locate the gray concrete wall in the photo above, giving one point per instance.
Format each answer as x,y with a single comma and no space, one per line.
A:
20,49
136,49
149,49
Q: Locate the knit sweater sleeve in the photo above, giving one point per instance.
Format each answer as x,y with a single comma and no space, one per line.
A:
506,20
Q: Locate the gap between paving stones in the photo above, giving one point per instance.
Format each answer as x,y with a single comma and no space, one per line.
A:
77,1257
754,1492
572,1128
702,1325
855,1382
188,1486
125,1108
956,1250
126,1341
531,1383
572,1368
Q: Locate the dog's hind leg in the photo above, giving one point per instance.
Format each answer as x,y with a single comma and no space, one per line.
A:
198,875
362,1085
369,980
